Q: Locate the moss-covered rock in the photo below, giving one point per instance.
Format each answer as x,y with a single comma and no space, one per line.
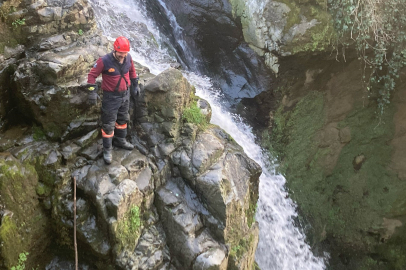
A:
24,226
342,167
284,27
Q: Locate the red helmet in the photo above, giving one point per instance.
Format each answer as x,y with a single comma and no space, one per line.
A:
122,45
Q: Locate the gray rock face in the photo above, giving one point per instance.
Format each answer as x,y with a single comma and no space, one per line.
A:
185,230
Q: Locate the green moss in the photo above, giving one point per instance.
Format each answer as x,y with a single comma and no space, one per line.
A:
293,17
238,7
129,229
12,43
344,204
11,242
25,229
43,190
250,213
317,38
38,133
295,130
237,251
53,130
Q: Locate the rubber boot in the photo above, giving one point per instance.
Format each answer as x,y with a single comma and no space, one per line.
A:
120,141
107,150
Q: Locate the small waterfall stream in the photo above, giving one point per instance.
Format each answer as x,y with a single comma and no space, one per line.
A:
281,245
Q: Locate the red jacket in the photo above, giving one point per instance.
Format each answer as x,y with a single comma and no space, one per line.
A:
108,66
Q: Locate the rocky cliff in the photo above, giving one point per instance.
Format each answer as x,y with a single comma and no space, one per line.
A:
184,199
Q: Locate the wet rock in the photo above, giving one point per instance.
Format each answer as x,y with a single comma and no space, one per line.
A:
78,128
145,180
135,163
151,251
117,173
165,104
88,229
93,151
69,150
45,152
50,86
121,198
55,42
179,209
211,259
88,138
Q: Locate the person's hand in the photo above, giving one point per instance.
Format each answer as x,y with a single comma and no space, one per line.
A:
92,94
134,89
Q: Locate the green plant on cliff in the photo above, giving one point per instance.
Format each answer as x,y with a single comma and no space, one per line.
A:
18,22
128,229
192,114
21,261
378,29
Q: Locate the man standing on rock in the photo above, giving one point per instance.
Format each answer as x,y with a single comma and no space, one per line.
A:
118,75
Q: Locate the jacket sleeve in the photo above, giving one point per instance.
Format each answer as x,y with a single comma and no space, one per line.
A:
133,73
95,71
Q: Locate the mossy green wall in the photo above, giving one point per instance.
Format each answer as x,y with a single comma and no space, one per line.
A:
25,226
358,206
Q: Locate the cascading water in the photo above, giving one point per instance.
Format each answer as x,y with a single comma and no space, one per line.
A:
281,245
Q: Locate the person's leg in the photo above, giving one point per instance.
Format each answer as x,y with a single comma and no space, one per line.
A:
110,107
120,131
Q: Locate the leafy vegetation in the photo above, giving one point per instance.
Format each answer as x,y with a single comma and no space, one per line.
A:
128,229
193,115
18,22
378,29
21,261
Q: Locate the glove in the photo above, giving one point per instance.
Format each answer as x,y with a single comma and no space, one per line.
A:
134,89
92,94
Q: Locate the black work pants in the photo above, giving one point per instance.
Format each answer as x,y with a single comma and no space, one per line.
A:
114,109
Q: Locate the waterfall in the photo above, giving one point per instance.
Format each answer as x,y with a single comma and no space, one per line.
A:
281,245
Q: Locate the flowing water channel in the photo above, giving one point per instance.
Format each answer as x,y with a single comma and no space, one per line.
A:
281,245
